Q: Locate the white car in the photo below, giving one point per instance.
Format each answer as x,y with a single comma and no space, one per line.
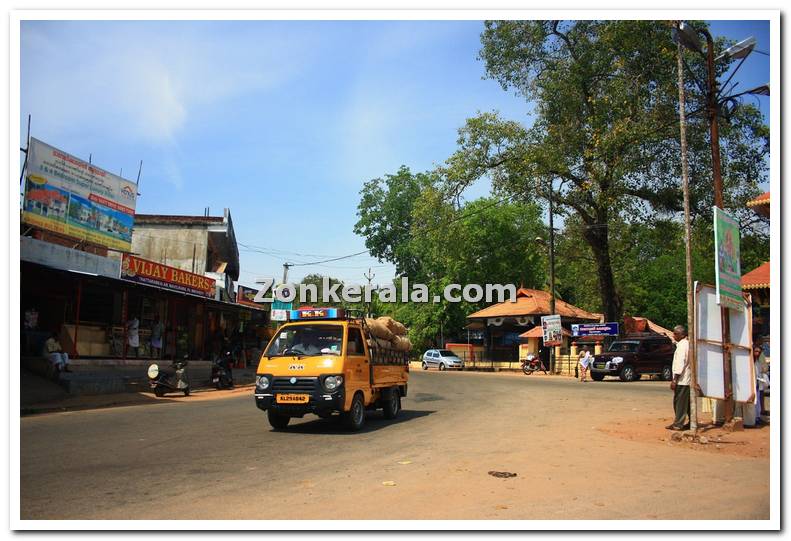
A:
442,359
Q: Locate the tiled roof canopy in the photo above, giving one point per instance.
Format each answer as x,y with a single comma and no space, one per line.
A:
533,302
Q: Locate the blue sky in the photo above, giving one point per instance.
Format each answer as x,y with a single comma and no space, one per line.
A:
281,122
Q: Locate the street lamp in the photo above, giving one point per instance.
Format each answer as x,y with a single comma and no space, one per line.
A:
688,37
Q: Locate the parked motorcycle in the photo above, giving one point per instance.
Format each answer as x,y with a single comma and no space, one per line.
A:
221,374
532,364
169,381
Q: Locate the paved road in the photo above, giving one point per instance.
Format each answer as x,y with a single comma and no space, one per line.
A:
220,459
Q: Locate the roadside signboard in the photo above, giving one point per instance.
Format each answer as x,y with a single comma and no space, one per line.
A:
709,351
67,195
280,310
136,269
595,329
552,331
727,261
246,296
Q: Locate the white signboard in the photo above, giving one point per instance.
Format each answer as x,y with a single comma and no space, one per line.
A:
553,332
279,315
709,350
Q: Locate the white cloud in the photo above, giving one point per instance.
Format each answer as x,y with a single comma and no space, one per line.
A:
145,80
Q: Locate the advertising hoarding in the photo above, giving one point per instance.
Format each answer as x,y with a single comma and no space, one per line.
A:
66,195
136,269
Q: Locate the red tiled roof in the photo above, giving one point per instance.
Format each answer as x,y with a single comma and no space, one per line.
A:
760,200
757,278
533,302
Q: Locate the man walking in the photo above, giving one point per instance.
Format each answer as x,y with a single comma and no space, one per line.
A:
681,379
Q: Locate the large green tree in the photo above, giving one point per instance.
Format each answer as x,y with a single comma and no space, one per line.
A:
603,142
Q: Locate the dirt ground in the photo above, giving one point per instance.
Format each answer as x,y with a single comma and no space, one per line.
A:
750,442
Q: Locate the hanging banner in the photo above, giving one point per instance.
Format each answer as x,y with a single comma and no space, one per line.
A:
727,261
552,331
136,269
67,195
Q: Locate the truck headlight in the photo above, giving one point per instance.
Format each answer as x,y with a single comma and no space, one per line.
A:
261,383
616,360
332,383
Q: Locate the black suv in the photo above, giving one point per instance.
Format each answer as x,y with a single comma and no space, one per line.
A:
634,355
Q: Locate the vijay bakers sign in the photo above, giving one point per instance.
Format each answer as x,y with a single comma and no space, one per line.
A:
136,269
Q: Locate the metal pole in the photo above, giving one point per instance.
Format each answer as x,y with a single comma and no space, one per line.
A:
693,395
285,272
552,274
75,352
369,277
718,202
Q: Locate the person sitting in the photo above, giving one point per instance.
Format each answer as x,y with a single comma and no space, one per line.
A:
55,354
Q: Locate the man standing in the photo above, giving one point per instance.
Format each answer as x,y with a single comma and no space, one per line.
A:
681,379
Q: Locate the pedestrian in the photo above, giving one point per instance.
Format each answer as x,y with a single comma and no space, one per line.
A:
681,379
761,381
584,361
156,337
54,353
132,334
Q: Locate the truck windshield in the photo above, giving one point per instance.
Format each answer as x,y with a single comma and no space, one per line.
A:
624,346
307,340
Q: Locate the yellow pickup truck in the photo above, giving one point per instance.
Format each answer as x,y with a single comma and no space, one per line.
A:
323,362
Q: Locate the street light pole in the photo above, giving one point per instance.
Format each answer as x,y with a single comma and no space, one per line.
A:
716,167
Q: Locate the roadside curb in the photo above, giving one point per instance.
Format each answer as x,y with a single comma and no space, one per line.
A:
91,402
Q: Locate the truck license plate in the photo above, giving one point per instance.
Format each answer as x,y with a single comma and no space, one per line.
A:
292,398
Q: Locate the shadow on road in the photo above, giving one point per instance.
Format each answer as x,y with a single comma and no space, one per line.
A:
373,421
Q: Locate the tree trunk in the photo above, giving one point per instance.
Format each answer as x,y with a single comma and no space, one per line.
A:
611,302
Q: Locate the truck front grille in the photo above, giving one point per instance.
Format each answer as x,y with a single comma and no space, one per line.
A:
284,385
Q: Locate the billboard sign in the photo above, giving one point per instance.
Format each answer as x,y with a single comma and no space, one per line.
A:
552,331
595,329
246,296
66,195
727,261
136,269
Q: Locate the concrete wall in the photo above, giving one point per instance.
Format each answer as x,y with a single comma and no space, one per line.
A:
62,257
172,246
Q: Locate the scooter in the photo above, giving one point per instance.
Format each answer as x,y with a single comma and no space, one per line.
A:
532,364
221,375
166,381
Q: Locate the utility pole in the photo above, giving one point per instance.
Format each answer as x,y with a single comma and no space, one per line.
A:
693,396
369,277
286,266
552,274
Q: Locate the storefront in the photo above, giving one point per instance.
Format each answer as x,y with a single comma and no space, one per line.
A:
90,314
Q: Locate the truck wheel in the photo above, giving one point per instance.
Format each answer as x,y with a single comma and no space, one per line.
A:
627,373
392,403
596,376
441,366
667,373
354,419
159,392
278,421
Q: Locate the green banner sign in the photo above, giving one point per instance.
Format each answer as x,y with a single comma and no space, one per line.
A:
727,261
